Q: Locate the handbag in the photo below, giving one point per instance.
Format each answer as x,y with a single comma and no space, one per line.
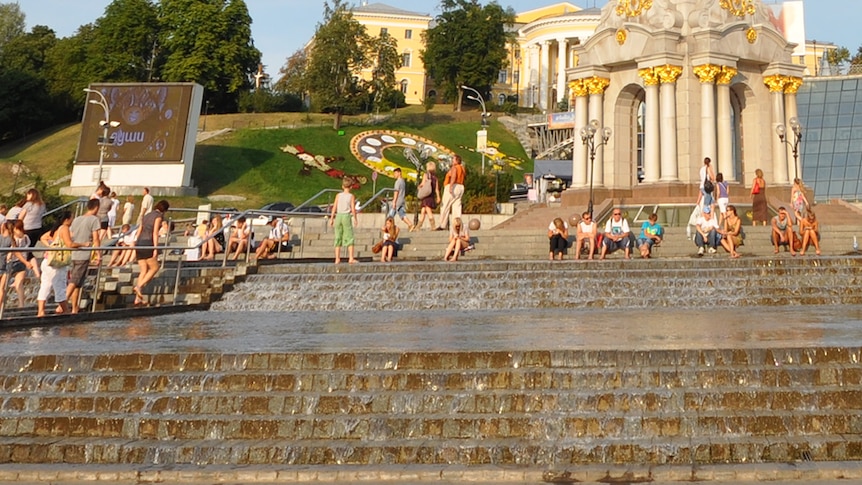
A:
424,189
59,259
755,189
707,185
378,246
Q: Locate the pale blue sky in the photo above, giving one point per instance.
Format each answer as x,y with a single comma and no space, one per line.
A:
280,27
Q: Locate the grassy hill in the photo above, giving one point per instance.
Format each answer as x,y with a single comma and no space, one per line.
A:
248,161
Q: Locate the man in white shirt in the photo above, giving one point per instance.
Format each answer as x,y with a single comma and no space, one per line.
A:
146,204
707,232
617,235
278,234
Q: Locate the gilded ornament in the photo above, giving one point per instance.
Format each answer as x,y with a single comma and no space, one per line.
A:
578,88
707,72
622,35
649,76
775,83
738,8
597,85
726,74
751,35
792,84
668,73
632,8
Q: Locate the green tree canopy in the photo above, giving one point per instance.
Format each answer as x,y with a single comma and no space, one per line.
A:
292,78
124,45
209,42
339,52
467,46
11,22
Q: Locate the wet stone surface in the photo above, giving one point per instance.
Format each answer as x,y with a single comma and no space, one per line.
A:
248,332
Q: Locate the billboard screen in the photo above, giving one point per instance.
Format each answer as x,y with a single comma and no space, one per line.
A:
154,123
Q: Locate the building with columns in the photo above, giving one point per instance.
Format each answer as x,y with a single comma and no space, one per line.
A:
677,82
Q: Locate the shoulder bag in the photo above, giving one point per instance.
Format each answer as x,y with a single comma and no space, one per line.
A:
59,259
424,189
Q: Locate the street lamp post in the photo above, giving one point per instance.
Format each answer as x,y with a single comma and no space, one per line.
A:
588,137
796,130
106,124
485,115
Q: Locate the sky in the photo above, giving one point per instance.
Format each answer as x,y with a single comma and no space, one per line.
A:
281,27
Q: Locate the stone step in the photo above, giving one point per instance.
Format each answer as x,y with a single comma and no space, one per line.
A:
680,283
545,408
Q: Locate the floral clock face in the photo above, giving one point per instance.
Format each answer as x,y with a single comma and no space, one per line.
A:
383,151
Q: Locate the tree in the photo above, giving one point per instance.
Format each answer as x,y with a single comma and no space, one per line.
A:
339,52
209,42
125,42
11,22
292,78
29,52
467,46
387,61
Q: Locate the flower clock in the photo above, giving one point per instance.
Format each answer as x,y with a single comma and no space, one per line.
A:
383,150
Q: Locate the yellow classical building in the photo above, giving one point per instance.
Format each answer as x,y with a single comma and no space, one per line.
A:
407,28
534,75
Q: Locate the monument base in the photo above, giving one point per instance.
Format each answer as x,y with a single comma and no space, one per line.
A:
155,191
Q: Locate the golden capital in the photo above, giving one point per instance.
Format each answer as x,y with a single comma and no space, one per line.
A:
597,85
775,83
578,88
707,72
632,8
668,73
726,75
792,84
649,76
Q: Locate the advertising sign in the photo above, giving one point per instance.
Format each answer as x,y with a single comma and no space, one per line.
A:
154,123
558,121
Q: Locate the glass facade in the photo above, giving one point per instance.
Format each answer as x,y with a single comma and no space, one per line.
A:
830,111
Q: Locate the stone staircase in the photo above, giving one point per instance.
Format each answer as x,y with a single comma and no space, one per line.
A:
532,243
497,285
538,409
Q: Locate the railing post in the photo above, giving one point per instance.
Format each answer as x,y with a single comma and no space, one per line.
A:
96,293
177,279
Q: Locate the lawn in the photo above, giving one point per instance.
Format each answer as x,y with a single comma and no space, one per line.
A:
248,161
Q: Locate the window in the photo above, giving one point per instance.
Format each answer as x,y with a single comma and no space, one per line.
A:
405,59
408,34
404,86
516,78
501,99
502,76
384,30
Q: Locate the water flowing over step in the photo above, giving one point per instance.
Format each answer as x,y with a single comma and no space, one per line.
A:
547,409
488,285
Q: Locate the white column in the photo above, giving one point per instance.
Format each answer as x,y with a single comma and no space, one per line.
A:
669,154
544,74
706,74
596,87
723,121
792,111
652,128
562,55
579,152
779,154
533,75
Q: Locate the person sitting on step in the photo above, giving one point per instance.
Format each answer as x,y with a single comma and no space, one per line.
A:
782,231
731,231
809,227
459,240
617,235
278,235
651,234
587,231
707,235
558,235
